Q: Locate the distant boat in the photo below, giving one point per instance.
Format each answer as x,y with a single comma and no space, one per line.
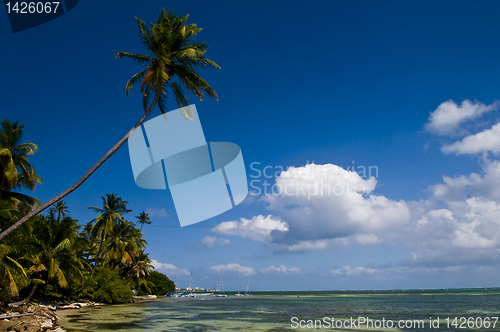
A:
239,288
248,286
221,287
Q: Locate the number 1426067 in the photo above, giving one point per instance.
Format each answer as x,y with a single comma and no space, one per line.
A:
32,7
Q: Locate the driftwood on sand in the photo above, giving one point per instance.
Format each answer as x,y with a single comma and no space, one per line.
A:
15,315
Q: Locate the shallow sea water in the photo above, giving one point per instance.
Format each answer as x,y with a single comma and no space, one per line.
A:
268,311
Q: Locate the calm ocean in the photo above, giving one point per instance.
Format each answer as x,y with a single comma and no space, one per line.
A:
417,310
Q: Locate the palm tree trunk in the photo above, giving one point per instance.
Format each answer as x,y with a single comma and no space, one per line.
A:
82,179
32,292
98,253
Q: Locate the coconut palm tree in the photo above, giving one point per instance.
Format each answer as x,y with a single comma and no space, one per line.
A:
124,244
142,219
15,170
61,209
111,213
54,258
170,63
137,270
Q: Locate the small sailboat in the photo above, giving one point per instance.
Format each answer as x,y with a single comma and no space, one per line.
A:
239,288
248,286
221,287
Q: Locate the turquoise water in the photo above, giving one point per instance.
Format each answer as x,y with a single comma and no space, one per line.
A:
268,311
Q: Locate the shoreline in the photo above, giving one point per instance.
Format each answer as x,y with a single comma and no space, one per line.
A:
54,316
39,315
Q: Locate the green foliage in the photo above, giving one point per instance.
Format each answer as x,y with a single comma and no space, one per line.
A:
15,171
142,219
51,256
108,287
171,54
55,241
53,292
159,283
12,275
110,215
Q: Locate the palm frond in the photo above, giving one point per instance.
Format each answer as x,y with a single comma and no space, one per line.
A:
162,103
135,79
180,98
26,148
139,58
19,266
65,244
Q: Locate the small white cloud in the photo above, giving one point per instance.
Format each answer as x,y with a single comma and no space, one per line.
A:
214,241
336,272
328,244
484,141
447,118
258,228
158,213
368,239
280,269
234,268
354,271
168,269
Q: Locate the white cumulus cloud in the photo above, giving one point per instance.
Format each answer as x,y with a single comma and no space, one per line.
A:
258,228
484,141
168,269
159,213
214,241
280,269
326,206
447,118
234,268
354,271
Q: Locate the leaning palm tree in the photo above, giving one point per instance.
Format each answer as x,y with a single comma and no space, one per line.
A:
170,63
111,213
15,171
143,218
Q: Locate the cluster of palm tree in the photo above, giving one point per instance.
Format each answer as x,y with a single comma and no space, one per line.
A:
54,251
117,242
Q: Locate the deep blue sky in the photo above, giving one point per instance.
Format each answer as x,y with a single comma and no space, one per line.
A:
326,81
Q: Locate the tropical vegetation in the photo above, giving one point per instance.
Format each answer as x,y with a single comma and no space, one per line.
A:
55,255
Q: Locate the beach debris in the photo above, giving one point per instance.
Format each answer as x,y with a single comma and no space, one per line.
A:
69,306
47,324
